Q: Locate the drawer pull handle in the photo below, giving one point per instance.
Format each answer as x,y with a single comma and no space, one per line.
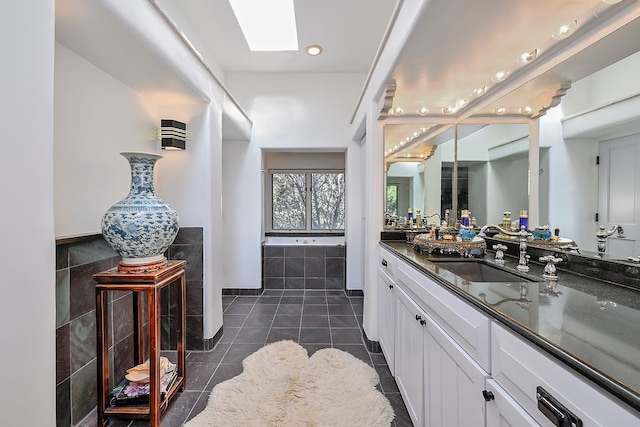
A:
418,317
559,415
384,262
390,286
423,322
488,395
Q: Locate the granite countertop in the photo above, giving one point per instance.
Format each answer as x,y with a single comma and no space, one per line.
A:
590,325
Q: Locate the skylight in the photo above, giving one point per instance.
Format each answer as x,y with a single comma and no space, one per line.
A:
267,25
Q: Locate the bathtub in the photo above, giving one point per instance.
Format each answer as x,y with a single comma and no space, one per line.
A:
304,240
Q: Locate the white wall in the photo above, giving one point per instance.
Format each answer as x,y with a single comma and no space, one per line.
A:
569,164
96,118
190,181
572,174
292,112
27,255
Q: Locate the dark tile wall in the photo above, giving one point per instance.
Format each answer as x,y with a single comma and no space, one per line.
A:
76,367
303,267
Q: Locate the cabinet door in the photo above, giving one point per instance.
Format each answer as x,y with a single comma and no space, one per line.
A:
386,317
410,336
453,382
503,411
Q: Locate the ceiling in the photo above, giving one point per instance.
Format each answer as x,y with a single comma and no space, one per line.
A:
455,48
349,31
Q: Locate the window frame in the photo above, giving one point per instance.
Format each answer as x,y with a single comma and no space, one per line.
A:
308,204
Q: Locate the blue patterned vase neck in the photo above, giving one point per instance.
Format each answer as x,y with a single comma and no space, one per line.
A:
142,173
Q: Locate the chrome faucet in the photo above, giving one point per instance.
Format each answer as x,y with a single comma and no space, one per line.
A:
499,248
523,262
602,235
502,230
550,271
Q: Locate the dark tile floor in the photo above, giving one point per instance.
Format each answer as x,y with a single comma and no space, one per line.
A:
314,318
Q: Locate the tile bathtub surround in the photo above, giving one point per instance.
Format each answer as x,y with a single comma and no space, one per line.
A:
314,318
303,267
76,262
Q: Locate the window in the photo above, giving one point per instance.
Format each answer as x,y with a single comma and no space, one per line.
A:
392,199
307,200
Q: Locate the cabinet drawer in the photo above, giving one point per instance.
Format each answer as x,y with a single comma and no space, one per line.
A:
466,325
387,261
520,368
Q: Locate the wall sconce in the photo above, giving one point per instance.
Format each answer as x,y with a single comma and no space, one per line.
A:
173,134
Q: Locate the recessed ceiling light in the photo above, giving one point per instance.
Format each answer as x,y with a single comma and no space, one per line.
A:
267,26
529,56
398,111
500,111
525,110
314,50
566,30
423,111
500,76
449,110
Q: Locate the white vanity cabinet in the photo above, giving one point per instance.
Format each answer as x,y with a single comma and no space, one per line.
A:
441,384
410,322
454,382
503,411
386,317
457,366
386,306
526,373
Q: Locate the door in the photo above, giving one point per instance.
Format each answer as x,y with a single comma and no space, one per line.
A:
503,411
619,193
454,382
410,337
386,317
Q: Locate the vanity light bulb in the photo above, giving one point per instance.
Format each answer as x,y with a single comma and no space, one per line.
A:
500,111
480,91
448,110
398,110
500,76
415,134
525,110
529,56
423,111
566,30
460,103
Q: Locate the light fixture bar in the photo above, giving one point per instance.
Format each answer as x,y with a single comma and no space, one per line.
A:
267,25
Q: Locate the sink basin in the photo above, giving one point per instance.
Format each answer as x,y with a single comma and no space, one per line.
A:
478,271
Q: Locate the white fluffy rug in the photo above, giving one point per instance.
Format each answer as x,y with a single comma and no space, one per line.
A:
281,386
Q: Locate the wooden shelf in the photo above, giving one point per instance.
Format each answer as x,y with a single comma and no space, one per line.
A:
149,283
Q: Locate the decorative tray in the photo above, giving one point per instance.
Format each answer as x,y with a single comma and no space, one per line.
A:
477,246
561,241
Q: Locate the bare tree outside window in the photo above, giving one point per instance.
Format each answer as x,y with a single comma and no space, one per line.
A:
308,201
289,201
327,201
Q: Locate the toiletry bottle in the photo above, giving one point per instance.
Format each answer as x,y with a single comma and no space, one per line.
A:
446,217
409,214
464,218
506,220
524,219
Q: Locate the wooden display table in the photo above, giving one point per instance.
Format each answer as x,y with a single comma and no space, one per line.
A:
150,283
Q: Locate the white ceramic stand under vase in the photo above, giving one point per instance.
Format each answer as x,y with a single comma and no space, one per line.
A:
140,227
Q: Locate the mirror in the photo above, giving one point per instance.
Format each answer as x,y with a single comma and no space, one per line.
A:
492,174
493,171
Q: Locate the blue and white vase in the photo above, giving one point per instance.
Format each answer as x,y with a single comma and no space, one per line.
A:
141,226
